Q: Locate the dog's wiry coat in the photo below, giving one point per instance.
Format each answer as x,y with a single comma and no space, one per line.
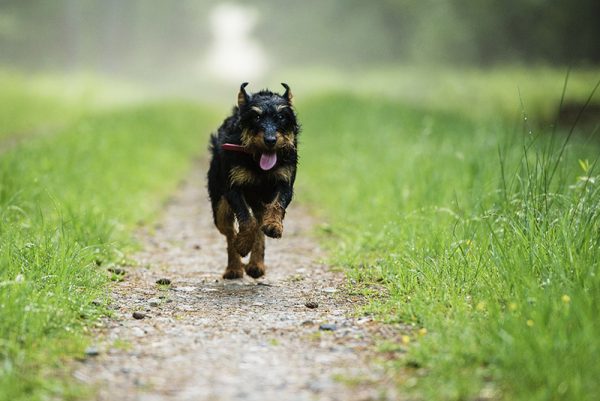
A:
244,189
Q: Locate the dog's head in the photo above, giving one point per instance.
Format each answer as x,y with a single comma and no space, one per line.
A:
268,122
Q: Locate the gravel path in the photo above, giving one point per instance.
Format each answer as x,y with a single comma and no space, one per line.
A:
203,338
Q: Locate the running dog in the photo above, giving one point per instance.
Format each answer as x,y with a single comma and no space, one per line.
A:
251,176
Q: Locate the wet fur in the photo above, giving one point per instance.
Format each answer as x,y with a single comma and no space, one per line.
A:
240,191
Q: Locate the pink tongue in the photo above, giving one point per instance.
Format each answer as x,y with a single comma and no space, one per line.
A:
268,160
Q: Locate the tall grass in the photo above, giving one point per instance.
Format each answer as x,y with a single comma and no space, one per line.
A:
486,238
66,204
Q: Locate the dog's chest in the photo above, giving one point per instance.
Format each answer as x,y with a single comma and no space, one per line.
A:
245,177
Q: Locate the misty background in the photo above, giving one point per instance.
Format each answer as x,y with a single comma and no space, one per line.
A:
169,41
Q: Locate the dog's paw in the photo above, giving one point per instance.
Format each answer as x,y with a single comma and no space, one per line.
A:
231,274
255,270
273,230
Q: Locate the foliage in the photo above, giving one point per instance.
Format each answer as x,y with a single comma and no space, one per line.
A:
485,237
65,201
149,38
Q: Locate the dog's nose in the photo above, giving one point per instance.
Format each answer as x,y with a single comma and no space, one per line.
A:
270,142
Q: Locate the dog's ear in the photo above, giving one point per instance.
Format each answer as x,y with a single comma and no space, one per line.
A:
288,93
243,97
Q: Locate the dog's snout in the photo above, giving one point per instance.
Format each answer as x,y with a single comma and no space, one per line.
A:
270,141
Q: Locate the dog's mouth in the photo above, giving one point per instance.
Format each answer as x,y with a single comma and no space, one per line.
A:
268,161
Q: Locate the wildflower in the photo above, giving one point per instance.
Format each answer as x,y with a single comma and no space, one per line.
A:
480,306
422,331
566,299
405,339
512,306
530,323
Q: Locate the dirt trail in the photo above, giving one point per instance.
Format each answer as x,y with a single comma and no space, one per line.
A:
209,339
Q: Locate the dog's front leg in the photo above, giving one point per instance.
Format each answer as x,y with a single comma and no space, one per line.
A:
247,224
272,222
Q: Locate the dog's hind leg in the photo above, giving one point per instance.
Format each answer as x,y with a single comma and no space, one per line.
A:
256,265
224,221
246,237
248,227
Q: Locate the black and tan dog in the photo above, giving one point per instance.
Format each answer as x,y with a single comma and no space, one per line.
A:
251,175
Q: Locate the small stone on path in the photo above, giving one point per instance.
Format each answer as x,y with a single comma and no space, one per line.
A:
311,305
163,281
138,315
328,327
92,351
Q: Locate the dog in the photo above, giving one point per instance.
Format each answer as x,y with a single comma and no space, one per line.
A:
251,175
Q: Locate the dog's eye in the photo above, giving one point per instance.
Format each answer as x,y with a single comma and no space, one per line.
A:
257,118
281,117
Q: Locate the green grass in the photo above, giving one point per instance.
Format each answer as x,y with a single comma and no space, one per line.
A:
485,235
39,104
68,203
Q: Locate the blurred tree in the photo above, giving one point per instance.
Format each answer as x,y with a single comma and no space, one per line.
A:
154,36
